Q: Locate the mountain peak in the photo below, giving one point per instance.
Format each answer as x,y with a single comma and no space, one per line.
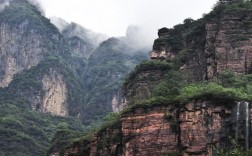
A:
34,3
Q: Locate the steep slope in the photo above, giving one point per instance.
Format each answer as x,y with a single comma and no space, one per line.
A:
26,133
171,109
219,41
198,120
37,85
31,44
107,67
28,33
49,79
81,40
34,53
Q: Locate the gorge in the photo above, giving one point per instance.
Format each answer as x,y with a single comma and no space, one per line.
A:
191,96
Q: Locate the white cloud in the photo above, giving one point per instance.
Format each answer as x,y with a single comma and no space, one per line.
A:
3,4
38,5
114,16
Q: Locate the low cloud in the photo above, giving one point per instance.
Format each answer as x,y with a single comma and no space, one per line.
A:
3,4
59,23
138,36
38,5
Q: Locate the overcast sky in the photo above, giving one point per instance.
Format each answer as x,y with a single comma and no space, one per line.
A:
112,17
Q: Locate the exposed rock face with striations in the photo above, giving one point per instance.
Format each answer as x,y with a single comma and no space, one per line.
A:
18,51
148,132
217,44
55,98
228,43
225,45
49,72
197,129
202,127
207,47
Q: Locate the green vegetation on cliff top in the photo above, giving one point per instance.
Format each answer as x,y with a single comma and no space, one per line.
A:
174,90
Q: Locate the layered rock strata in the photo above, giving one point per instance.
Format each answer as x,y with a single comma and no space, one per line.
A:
197,129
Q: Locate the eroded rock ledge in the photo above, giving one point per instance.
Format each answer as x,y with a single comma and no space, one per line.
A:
196,129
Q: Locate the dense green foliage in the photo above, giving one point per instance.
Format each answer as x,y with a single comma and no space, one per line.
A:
29,83
91,85
24,132
104,74
224,6
174,90
147,66
234,150
66,139
63,138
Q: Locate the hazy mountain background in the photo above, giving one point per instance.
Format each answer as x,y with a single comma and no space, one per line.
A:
56,75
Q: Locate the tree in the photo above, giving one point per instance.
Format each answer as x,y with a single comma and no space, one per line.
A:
229,1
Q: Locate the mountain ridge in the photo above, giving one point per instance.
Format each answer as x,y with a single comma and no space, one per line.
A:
43,80
192,98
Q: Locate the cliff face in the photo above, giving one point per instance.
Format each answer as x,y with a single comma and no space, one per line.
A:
142,86
194,129
224,45
228,43
56,76
197,129
209,46
18,51
25,43
107,67
55,98
200,50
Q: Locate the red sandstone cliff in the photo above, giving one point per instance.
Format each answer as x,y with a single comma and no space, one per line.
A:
200,126
194,130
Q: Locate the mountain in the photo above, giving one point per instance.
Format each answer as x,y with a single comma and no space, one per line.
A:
192,98
106,69
81,40
55,81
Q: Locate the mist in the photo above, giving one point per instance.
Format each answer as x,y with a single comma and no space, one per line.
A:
38,5
139,37
3,4
60,23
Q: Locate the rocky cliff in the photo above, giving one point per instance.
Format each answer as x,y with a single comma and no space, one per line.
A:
198,128
51,77
209,45
169,110
30,43
25,43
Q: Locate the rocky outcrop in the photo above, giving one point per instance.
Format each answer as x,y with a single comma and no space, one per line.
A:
18,51
142,85
26,45
201,127
148,132
197,129
55,98
228,43
223,44
161,47
213,44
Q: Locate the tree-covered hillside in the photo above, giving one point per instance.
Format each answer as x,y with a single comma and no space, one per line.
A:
211,61
51,80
